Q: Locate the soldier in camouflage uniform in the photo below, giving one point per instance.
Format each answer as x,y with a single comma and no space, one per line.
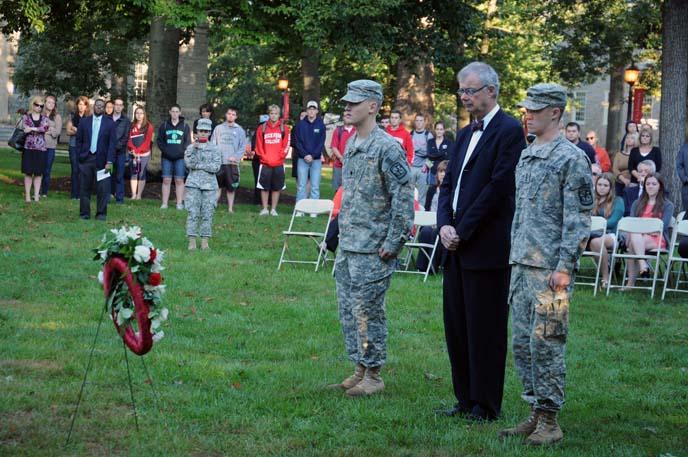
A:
549,232
375,220
203,160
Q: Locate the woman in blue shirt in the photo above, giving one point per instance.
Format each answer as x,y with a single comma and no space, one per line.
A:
610,207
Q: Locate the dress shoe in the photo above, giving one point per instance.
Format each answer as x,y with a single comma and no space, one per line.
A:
100,217
480,414
85,217
456,410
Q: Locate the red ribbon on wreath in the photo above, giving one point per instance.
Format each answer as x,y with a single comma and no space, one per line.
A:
142,341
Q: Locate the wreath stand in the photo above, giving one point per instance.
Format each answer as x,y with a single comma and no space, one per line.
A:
139,343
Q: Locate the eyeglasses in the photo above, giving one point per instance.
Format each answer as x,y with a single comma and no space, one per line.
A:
36,104
470,91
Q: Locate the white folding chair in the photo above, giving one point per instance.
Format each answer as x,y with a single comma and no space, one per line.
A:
307,206
421,219
681,229
598,224
643,225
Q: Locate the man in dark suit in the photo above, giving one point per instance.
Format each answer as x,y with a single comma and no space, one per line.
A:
96,140
475,211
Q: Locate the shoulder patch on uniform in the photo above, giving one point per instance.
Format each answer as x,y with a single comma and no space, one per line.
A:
585,196
398,170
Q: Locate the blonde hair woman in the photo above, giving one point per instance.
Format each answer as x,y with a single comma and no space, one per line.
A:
34,156
51,136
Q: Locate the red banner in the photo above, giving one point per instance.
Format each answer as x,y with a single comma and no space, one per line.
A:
638,99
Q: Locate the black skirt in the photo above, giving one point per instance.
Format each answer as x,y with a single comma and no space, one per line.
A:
34,162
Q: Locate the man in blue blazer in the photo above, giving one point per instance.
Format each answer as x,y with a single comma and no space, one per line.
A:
475,211
96,140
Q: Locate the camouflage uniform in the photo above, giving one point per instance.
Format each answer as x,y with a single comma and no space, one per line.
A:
377,212
550,229
202,160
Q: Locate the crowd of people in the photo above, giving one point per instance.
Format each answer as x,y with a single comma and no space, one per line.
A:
513,211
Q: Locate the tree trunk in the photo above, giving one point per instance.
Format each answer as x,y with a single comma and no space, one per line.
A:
415,86
163,62
615,123
192,80
310,73
491,12
672,114
119,87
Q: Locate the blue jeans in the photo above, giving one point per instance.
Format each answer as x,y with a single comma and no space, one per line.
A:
120,160
45,184
304,171
74,161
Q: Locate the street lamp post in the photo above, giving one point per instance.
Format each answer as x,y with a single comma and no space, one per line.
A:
283,85
631,75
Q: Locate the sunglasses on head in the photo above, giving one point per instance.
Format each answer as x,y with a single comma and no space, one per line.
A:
36,104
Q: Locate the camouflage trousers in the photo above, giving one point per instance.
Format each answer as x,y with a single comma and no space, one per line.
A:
362,281
540,319
201,205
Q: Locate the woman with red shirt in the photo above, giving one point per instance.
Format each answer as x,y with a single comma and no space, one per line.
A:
653,204
140,139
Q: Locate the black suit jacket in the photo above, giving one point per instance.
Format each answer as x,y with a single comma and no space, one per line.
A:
485,208
107,140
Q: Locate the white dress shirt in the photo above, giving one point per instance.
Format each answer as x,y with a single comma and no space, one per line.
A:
471,147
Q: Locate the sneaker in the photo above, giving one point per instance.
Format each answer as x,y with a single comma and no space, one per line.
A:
314,215
264,212
273,213
299,214
180,206
163,206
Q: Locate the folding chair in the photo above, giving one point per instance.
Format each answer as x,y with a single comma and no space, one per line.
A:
641,225
307,206
597,224
680,230
420,220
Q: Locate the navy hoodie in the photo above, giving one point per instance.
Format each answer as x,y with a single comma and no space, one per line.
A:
310,137
173,139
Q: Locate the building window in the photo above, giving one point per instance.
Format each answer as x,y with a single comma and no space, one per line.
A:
140,81
578,107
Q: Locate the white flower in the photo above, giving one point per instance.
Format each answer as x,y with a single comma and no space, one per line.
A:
100,277
121,235
146,242
156,267
103,254
142,254
163,314
134,232
158,336
159,256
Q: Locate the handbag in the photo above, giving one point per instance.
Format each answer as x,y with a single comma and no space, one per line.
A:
18,138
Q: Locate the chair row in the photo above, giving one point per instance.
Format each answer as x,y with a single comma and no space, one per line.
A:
674,265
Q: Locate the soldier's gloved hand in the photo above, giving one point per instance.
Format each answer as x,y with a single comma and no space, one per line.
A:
385,255
559,281
449,238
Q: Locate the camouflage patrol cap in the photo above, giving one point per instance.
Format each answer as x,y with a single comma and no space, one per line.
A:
361,90
204,124
543,95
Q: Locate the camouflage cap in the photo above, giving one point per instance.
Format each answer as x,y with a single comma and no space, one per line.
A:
362,89
543,95
204,124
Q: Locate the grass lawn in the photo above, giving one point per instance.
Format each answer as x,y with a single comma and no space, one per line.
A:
248,351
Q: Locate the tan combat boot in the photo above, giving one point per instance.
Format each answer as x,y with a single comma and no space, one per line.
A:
372,383
523,429
352,380
547,430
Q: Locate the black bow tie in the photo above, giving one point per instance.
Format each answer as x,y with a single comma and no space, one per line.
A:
477,125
